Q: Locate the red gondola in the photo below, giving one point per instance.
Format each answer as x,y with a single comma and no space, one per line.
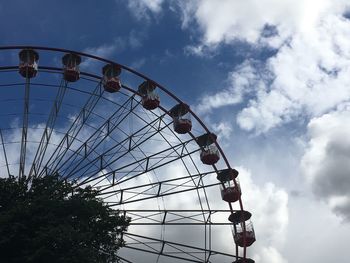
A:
244,238
150,99
181,118
28,65
230,189
210,153
71,72
111,81
231,193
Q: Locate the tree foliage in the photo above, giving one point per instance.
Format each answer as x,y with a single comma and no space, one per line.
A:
48,220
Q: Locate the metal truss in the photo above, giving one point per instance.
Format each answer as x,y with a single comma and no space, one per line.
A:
177,217
153,190
180,251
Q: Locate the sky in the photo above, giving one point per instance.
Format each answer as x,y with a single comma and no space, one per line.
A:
270,77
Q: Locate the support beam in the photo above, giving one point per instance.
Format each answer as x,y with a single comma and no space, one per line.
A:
22,161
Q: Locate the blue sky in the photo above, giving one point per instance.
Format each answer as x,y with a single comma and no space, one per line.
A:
270,77
157,41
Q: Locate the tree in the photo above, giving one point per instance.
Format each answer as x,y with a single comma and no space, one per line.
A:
48,220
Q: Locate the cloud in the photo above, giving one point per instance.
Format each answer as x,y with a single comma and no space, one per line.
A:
269,255
246,78
137,64
142,8
108,50
270,206
200,51
248,20
223,130
12,143
306,77
310,77
326,162
104,51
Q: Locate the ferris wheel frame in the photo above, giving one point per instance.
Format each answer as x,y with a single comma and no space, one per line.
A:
140,217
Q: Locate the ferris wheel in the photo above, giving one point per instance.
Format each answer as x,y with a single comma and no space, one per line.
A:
96,122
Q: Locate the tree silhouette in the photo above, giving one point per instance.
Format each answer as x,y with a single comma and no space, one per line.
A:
49,220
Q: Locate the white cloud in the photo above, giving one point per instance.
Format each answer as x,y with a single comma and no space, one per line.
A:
141,8
269,204
222,129
200,50
246,20
108,50
326,162
307,77
104,50
269,255
313,220
138,63
243,80
311,76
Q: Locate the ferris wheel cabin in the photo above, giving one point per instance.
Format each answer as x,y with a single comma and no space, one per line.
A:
111,81
71,62
230,189
181,118
209,153
150,99
244,238
28,63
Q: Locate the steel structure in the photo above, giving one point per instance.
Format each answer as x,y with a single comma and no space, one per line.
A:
87,121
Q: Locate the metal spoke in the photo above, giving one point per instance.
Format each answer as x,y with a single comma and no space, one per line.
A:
40,153
100,135
5,155
24,128
75,128
116,151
